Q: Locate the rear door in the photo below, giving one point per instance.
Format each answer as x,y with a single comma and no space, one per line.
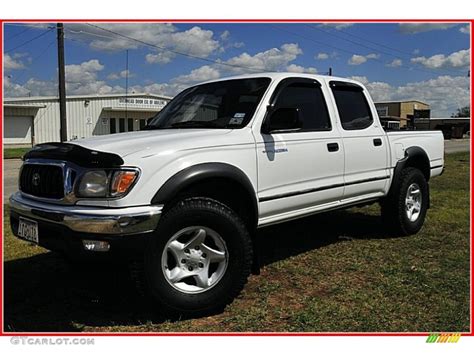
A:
365,141
304,168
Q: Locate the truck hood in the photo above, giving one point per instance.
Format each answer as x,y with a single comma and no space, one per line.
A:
153,141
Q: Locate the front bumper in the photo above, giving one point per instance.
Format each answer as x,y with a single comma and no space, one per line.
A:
66,227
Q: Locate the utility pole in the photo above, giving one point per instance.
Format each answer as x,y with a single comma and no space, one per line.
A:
330,71
62,83
126,85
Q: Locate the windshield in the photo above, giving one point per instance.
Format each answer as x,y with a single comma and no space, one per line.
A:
222,104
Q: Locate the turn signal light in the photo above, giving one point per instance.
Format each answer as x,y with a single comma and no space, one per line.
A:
122,181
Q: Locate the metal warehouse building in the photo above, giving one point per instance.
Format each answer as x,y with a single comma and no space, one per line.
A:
33,120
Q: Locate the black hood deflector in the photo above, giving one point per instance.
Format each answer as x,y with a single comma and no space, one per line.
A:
76,154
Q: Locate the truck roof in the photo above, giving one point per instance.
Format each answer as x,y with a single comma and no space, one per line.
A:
281,75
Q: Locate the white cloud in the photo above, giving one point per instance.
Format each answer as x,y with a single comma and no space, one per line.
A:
337,25
120,75
360,79
161,57
273,59
225,35
357,59
412,28
10,63
194,41
460,59
84,72
33,87
201,74
465,29
227,42
166,89
11,89
80,79
321,56
444,93
416,51
84,78
270,60
372,56
294,68
395,63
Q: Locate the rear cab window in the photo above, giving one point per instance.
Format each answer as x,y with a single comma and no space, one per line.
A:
352,105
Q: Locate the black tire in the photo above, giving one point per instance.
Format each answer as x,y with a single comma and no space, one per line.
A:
207,213
394,213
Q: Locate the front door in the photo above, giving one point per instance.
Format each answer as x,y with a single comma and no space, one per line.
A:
299,169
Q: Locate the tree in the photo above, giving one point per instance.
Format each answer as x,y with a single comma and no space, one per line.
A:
462,112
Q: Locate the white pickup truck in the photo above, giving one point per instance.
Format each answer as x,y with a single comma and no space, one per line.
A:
222,159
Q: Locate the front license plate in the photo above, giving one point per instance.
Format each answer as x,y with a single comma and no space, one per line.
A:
28,229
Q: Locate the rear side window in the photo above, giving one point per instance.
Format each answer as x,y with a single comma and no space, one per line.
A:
353,108
309,99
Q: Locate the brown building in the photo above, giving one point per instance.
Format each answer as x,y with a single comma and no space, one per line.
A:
451,127
404,111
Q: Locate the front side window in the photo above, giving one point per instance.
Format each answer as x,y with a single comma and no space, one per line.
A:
353,108
309,100
223,104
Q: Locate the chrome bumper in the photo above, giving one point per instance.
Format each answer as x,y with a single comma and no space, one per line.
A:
120,221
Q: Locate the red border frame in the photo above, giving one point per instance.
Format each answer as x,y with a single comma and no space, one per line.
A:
2,333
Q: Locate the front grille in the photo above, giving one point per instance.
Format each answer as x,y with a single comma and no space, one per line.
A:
42,180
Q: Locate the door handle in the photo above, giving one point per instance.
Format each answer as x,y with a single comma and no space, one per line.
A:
377,142
333,147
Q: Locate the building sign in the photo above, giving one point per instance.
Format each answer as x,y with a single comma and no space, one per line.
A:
137,102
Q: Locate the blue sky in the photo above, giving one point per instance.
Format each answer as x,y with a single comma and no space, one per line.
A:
429,62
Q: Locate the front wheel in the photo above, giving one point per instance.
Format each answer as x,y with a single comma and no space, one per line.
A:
199,260
404,210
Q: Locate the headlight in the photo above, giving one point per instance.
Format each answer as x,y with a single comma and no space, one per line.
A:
93,184
102,183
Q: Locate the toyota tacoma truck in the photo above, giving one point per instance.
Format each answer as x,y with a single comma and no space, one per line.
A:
187,194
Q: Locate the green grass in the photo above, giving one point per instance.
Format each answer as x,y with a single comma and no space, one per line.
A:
336,272
10,153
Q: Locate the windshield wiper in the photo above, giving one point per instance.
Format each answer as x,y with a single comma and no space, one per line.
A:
198,124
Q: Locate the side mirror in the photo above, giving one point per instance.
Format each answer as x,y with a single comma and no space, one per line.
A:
282,119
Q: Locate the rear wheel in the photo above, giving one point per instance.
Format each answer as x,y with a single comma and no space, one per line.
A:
404,210
199,260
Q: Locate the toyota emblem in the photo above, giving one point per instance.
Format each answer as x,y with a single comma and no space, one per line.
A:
35,180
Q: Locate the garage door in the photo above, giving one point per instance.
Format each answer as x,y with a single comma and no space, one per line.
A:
17,130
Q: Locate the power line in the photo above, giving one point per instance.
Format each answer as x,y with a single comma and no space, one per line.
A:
29,41
376,43
126,84
176,52
33,59
18,34
351,52
348,40
369,47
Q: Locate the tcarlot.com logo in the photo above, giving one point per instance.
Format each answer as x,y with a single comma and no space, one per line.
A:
443,338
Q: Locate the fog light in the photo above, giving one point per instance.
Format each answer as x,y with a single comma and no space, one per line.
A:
96,245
